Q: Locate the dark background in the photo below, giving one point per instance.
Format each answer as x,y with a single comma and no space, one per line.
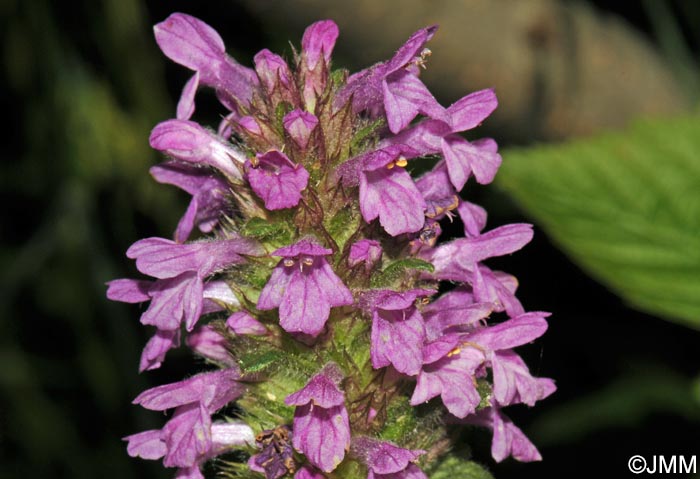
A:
82,85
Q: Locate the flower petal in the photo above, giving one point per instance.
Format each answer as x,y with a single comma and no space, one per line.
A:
391,195
304,307
277,181
397,339
469,111
318,42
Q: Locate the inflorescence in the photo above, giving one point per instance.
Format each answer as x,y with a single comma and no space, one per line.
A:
330,335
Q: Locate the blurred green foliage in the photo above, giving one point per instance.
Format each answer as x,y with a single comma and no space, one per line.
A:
625,207
73,195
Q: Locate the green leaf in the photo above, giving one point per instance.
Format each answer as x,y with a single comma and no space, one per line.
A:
625,207
396,269
454,467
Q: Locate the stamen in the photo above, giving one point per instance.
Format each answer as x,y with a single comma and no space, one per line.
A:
423,59
307,261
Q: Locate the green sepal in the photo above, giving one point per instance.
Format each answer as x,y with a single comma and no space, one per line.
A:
257,362
365,135
341,226
485,390
274,233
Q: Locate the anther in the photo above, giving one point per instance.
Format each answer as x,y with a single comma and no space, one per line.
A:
307,261
454,352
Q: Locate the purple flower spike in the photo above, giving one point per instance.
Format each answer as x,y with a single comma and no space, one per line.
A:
304,288
365,251
321,425
277,180
208,196
187,141
194,44
321,157
299,125
398,331
385,460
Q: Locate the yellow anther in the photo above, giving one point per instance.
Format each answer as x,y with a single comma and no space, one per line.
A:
390,165
289,262
454,352
402,162
307,261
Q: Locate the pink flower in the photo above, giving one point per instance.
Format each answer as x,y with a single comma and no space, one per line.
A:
304,288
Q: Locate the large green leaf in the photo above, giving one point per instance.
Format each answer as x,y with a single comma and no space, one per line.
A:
625,207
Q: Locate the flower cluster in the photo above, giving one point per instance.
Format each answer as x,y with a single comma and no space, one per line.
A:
350,346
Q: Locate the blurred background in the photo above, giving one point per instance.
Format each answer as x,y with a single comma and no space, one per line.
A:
601,143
